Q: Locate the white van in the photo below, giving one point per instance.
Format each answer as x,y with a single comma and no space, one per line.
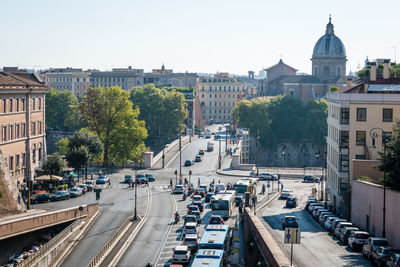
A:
219,187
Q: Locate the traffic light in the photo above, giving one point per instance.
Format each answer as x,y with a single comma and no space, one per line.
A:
190,172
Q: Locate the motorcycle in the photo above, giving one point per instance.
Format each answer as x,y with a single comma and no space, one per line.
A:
177,219
263,189
184,197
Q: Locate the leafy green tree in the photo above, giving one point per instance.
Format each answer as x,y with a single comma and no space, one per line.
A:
109,114
78,157
333,89
90,141
163,110
54,165
395,70
62,111
391,163
62,146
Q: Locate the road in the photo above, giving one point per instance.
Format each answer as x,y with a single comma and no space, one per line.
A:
317,247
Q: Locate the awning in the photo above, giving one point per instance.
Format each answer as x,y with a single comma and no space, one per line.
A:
72,175
46,178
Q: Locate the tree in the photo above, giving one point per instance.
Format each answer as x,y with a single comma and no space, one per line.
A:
88,140
333,89
62,146
54,165
62,111
109,114
391,163
163,110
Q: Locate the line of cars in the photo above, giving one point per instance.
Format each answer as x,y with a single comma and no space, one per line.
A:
78,190
197,158
140,178
375,249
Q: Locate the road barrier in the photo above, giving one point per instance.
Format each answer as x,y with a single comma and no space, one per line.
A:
32,260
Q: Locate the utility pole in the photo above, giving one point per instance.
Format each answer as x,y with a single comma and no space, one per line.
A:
180,156
219,157
258,138
226,139
163,158
135,213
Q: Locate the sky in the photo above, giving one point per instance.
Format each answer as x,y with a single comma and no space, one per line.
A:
206,36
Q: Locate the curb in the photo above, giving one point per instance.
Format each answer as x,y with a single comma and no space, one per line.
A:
286,176
268,201
177,154
132,236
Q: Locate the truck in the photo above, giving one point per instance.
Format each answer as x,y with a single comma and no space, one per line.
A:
210,146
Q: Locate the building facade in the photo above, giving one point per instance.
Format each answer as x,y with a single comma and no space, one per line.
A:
219,95
125,78
354,113
167,78
22,120
74,80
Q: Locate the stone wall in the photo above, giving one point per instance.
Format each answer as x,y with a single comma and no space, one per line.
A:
10,200
52,137
296,155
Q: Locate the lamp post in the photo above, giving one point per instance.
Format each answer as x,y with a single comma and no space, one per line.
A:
163,158
374,134
258,139
323,179
283,158
135,213
226,139
219,157
180,156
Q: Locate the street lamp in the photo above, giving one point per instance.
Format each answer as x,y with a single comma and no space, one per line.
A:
219,157
323,178
136,180
180,156
374,134
226,139
283,158
257,141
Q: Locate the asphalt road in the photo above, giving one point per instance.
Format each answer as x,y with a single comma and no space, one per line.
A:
317,247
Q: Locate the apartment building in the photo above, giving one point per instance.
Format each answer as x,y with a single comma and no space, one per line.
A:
354,113
126,78
22,120
75,80
218,96
167,78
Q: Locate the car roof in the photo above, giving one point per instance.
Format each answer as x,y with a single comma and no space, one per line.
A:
216,216
378,238
191,236
361,232
290,216
191,224
286,190
181,248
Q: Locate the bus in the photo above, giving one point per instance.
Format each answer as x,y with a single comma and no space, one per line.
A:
241,187
223,204
208,257
216,236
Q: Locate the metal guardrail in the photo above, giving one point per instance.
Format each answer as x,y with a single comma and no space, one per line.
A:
30,261
110,242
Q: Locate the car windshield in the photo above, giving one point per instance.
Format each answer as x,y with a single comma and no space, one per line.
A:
285,191
88,182
190,219
180,252
74,189
380,243
361,236
290,219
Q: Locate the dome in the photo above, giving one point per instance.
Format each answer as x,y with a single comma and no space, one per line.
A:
329,44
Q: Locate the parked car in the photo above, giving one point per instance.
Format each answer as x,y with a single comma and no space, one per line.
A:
83,187
328,222
372,244
189,218
75,192
103,179
286,193
381,254
323,216
89,185
181,254
199,204
340,226
393,261
60,195
209,196
178,189
334,224
191,240
346,232
150,177
310,201
216,219
197,158
309,179
314,205
289,221
188,162
316,212
190,228
357,240
201,152
141,178
291,202
266,176
40,198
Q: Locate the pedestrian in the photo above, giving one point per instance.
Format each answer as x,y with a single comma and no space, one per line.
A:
170,182
109,184
281,187
198,181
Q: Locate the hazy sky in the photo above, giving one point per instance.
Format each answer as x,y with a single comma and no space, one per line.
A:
199,36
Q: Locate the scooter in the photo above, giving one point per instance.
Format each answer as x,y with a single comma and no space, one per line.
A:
177,219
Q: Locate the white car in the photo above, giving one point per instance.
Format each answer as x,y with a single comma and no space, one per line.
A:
191,241
267,177
190,228
286,193
181,254
178,189
328,222
75,192
219,187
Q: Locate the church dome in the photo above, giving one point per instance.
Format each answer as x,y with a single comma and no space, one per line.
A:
329,44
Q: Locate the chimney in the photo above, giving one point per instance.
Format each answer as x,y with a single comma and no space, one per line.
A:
372,71
386,72
349,82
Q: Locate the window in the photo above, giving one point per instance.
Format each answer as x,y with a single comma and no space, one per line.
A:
11,132
34,154
11,105
4,133
4,105
40,127
17,104
360,138
23,104
23,159
33,128
40,102
17,132
40,154
344,162
344,139
11,163
202,95
344,115
23,129
17,161
33,103
388,114
360,156
361,114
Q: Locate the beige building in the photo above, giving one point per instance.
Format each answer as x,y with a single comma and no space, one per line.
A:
22,120
219,95
74,80
354,114
125,78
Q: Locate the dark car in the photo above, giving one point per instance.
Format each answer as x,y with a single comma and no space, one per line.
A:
103,179
189,218
309,201
141,179
188,162
197,158
60,195
393,261
216,219
291,202
309,179
150,177
380,256
289,221
209,196
128,179
41,198
192,208
201,152
199,204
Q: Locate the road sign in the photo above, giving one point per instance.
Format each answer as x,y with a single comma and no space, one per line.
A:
292,236
268,185
279,182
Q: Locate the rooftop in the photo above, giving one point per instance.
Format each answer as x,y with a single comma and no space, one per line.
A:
20,80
